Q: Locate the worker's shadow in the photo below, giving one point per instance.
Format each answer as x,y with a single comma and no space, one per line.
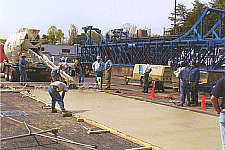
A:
78,111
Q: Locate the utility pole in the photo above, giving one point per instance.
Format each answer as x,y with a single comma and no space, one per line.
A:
175,17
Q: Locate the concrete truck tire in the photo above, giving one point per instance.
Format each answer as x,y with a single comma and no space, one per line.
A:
6,73
2,65
11,76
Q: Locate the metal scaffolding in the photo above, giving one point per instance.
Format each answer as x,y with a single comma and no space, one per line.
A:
208,49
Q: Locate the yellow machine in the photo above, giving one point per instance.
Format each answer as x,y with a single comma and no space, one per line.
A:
161,73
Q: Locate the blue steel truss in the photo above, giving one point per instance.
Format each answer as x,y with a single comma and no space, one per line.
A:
208,49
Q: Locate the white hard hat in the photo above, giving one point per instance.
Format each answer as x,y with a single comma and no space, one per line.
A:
63,58
98,57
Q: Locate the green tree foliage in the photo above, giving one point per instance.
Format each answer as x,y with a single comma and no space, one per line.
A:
193,15
186,18
54,35
60,36
73,35
2,41
94,37
45,39
181,16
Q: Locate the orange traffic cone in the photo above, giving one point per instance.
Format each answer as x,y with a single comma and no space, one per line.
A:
203,106
152,93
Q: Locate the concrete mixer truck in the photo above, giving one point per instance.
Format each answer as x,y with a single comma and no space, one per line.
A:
24,41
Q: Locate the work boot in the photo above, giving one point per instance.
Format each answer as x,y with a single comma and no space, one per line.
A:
66,114
54,110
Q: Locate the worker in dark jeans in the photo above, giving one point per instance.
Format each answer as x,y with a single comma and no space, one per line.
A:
147,70
54,89
184,86
219,91
194,77
22,67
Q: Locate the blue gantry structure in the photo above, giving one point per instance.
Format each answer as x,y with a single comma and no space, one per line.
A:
207,48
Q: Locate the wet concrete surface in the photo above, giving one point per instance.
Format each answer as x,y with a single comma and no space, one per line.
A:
163,126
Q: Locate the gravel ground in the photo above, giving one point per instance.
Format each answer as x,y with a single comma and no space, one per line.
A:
43,119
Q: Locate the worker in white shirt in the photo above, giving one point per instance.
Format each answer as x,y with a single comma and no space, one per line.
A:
54,89
147,70
98,68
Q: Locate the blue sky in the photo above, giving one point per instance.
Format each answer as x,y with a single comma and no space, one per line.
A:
103,14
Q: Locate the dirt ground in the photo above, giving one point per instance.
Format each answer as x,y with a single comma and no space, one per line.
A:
42,118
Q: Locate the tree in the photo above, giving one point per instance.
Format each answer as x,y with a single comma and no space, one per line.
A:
181,15
73,35
194,14
131,28
94,37
45,39
52,31
60,36
54,35
187,18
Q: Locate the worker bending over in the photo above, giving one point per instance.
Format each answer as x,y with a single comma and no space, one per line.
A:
55,74
54,89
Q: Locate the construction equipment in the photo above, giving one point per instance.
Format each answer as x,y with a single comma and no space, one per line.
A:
24,41
162,74
38,65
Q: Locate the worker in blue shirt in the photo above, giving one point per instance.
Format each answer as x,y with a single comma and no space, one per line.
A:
184,86
55,74
22,67
194,77
108,72
217,92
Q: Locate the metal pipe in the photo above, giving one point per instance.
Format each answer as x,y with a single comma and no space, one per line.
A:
69,141
62,138
29,134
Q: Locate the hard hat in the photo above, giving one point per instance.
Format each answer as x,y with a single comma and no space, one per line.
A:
62,66
76,61
98,57
23,55
66,82
63,58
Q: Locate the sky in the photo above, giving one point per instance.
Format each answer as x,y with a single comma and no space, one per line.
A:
103,14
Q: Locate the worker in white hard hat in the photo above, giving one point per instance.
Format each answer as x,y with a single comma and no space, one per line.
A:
98,68
22,67
55,74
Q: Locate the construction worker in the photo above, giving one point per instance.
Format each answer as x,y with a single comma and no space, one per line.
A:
108,71
194,77
55,74
98,68
63,61
22,67
147,70
79,71
184,84
219,91
54,89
